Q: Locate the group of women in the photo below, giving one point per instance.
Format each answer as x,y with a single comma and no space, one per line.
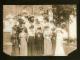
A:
36,36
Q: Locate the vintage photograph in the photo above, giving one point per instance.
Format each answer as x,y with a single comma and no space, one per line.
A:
39,30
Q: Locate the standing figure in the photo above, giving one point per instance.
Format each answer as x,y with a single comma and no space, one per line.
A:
53,36
47,39
23,42
59,51
73,27
31,37
15,43
47,42
39,41
19,28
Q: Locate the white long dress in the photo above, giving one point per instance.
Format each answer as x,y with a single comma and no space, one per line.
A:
73,27
23,46
47,43
59,51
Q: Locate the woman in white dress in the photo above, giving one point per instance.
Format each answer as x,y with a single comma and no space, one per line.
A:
47,39
59,51
23,43
72,27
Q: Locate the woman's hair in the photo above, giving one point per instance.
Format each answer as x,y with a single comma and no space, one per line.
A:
46,19
31,19
14,27
25,30
31,27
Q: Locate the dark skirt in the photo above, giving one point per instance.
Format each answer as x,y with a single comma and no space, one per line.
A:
31,46
15,48
39,45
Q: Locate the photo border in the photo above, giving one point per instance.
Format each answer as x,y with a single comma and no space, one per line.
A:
41,2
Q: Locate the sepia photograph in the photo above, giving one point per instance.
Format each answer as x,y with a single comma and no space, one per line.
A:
39,30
